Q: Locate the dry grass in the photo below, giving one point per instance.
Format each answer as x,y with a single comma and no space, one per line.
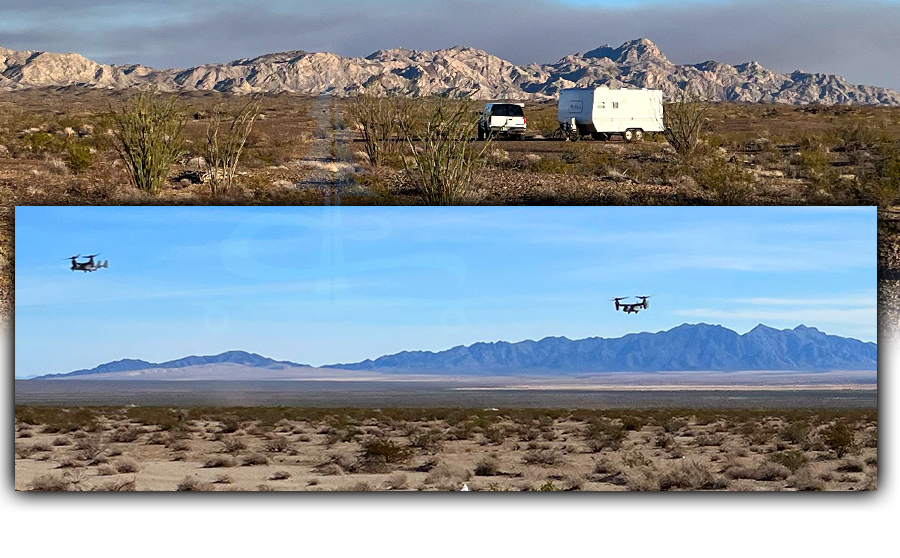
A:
705,450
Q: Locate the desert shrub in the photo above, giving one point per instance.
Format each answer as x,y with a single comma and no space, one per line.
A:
429,440
815,162
254,459
872,438
635,459
380,119
494,435
605,434
642,480
193,484
149,134
230,425
487,467
106,470
665,441
445,163
25,433
127,466
277,444
447,477
226,136
126,435
218,461
223,479
157,438
838,437
850,466
547,487
728,182
180,445
233,445
804,479
684,120
764,472
91,448
710,439
78,157
50,483
24,451
792,459
378,452
336,464
41,446
280,475
673,424
397,481
633,422
690,475
120,485
795,432
543,456
360,486
759,435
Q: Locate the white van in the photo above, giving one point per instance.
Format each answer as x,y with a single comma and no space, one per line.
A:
602,112
503,119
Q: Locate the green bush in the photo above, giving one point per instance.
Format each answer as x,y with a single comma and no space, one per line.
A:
605,434
838,437
78,157
792,459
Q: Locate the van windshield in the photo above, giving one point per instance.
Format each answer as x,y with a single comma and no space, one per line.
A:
507,110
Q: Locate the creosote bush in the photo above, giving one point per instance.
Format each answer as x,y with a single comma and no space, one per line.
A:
838,437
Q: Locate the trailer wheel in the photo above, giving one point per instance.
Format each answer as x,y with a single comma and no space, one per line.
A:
628,135
638,135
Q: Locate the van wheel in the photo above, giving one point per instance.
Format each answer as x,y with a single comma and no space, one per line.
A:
573,136
480,134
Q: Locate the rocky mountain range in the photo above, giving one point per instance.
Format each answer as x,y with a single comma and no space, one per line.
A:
686,348
458,71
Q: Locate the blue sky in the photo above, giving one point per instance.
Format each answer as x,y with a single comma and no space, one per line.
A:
323,285
855,39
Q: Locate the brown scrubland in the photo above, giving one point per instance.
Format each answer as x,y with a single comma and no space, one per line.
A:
299,449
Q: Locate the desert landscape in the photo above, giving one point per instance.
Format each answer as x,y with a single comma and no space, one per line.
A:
351,449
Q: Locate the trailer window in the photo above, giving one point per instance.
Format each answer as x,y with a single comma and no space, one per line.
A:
615,104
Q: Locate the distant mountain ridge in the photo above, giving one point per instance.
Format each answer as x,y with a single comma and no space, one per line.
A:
457,71
699,347
230,357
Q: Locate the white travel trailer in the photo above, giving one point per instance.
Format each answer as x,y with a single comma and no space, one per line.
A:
602,112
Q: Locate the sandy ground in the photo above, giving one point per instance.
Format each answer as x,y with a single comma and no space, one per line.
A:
486,451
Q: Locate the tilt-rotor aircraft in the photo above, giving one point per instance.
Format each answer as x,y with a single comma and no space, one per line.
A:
88,266
644,304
